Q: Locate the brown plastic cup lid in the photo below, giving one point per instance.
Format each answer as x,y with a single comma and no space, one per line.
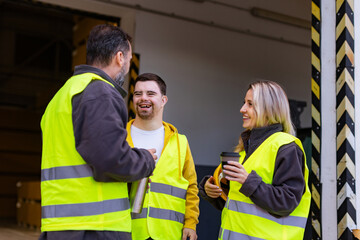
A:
229,154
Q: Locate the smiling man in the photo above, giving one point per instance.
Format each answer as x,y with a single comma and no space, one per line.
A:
171,205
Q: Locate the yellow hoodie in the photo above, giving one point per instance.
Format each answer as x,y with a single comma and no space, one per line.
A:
189,173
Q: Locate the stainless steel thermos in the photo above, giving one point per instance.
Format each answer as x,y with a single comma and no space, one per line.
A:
137,200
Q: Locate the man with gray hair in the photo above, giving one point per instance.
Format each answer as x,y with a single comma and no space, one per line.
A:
86,161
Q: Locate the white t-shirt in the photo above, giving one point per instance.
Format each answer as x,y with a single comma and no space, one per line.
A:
148,139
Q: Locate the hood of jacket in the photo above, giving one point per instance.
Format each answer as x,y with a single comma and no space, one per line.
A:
170,130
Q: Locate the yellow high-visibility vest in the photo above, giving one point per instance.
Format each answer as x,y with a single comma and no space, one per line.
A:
163,212
242,219
71,198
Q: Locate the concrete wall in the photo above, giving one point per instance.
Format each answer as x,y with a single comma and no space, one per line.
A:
208,54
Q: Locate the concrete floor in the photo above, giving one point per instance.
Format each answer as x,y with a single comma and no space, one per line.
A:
11,231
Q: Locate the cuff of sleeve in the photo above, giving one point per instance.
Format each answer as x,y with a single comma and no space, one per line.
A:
190,223
201,186
251,184
203,181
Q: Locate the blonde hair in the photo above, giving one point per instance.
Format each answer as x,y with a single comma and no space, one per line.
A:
271,106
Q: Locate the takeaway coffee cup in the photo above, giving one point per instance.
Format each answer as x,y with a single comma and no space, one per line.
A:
228,156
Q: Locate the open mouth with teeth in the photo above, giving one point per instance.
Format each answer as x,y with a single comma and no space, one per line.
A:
145,106
145,110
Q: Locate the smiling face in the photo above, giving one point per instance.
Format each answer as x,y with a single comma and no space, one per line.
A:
248,111
148,100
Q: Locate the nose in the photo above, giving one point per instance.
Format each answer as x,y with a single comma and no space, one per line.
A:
243,109
143,97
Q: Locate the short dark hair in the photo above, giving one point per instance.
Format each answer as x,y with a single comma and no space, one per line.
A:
104,42
152,77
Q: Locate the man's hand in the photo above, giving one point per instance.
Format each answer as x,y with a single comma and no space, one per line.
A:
153,151
188,233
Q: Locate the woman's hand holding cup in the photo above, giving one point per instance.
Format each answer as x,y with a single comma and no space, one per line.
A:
234,171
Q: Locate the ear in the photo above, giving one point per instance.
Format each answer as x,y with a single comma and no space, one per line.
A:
119,57
164,100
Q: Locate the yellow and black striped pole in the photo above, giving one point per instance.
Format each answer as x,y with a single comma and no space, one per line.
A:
133,73
316,121
345,128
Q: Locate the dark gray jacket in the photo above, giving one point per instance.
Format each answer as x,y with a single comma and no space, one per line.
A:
99,121
282,196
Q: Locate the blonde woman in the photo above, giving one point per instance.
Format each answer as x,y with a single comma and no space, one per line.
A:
269,196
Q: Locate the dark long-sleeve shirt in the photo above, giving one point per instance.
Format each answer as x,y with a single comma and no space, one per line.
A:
99,120
282,196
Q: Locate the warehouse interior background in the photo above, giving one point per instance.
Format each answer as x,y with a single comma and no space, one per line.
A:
206,51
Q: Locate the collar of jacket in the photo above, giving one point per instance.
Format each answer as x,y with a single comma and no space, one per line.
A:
170,130
80,69
252,139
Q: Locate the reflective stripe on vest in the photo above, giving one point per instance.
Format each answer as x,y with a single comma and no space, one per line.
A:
167,189
252,209
229,235
143,214
57,173
160,214
166,214
163,213
85,209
